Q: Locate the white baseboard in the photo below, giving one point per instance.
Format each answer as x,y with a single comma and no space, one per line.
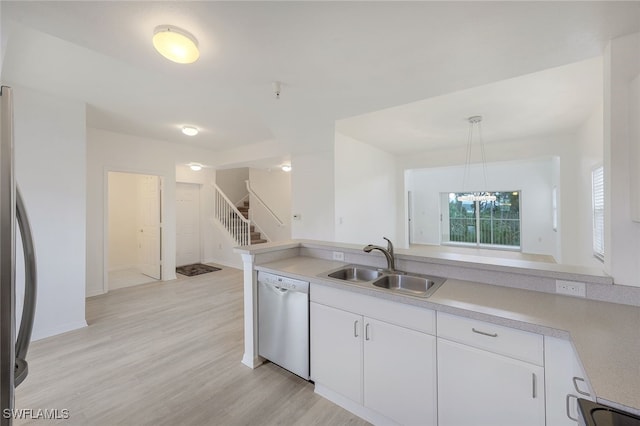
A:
226,263
252,362
353,406
57,329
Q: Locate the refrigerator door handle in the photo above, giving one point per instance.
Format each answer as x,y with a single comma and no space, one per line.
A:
30,287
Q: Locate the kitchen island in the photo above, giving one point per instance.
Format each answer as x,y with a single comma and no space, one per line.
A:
605,335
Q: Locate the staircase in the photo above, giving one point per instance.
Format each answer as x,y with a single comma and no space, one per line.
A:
236,220
254,236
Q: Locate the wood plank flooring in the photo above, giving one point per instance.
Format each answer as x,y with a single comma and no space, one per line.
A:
167,353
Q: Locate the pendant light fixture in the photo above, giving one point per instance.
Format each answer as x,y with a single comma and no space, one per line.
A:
474,123
176,44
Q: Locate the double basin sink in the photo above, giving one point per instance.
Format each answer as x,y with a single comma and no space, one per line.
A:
399,282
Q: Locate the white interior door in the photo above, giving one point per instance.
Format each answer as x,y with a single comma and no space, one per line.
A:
149,226
187,224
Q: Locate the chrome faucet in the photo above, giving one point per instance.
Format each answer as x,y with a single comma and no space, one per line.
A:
388,253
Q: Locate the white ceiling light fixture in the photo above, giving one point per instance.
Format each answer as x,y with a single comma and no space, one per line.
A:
196,167
474,123
176,44
286,167
190,130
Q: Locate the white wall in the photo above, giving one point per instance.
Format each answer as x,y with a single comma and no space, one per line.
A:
50,167
108,151
533,178
589,155
232,183
634,138
123,218
274,189
365,197
312,195
622,237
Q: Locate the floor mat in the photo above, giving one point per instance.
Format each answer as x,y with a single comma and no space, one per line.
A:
195,269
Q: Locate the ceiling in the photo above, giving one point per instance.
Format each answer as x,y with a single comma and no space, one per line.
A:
335,60
554,101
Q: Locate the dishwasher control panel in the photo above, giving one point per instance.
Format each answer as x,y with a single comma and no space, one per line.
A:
283,282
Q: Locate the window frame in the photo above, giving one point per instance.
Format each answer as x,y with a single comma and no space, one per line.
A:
477,243
598,243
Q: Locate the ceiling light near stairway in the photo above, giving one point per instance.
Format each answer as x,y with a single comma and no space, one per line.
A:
286,167
176,44
196,167
190,130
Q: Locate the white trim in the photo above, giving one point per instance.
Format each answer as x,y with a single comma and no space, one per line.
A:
105,222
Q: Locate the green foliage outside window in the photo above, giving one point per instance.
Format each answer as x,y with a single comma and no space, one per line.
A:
499,220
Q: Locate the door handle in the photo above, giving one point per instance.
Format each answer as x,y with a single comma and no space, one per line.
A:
366,332
569,396
30,288
355,328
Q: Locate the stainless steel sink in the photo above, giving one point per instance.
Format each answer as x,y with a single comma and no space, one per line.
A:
356,273
410,284
400,282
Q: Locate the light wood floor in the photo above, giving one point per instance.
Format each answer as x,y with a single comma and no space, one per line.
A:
167,354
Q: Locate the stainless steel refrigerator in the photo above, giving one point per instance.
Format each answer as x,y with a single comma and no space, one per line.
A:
13,349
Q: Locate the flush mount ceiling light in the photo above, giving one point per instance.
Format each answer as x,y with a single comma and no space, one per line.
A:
286,167
474,123
196,167
190,130
176,44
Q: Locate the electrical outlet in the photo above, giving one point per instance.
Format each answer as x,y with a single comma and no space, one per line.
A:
338,255
571,288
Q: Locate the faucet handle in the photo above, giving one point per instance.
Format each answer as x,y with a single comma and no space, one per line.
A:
389,245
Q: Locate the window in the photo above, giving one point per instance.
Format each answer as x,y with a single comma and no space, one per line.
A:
597,194
483,222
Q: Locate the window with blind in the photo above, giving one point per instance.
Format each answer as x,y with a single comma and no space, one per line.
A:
597,191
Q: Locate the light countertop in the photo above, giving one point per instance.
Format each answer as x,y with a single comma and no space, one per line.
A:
606,335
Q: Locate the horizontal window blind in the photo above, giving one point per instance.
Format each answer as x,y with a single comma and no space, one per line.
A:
597,181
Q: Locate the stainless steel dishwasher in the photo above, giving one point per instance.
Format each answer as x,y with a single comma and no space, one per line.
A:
283,322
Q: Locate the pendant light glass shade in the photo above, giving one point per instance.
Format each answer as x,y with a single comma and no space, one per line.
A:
175,44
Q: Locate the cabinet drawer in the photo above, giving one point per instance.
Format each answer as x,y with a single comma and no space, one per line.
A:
507,341
408,316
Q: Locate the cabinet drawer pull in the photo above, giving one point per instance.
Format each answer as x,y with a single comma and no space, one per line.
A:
569,396
366,332
575,385
534,385
484,333
355,328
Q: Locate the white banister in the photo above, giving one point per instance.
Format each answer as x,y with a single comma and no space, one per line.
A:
257,197
230,217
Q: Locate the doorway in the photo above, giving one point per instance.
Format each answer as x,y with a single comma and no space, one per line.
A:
188,247
134,229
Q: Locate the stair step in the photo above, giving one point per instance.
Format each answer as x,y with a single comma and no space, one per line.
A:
260,241
246,204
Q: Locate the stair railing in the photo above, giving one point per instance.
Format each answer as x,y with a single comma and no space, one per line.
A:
231,218
267,208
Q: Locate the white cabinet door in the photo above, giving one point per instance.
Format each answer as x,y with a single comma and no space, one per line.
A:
400,373
336,350
480,388
565,382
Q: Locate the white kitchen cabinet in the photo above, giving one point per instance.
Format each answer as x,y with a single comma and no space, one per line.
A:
387,370
481,388
336,350
565,382
400,373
